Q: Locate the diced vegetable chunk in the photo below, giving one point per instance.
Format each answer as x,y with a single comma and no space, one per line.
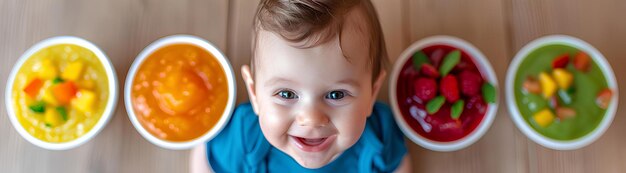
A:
544,117
563,78
548,86
604,98
62,111
73,71
46,69
38,107
48,97
57,80
64,92
581,61
52,118
564,112
33,87
84,101
531,85
560,61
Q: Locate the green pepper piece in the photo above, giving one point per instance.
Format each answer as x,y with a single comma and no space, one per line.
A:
63,112
38,107
57,80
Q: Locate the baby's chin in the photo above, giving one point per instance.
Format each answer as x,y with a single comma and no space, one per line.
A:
313,160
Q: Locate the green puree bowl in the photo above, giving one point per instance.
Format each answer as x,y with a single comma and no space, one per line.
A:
590,121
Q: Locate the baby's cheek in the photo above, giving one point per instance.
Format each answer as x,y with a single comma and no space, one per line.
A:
350,129
274,128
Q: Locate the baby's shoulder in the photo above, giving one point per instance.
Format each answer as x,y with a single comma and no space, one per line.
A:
381,121
382,143
241,139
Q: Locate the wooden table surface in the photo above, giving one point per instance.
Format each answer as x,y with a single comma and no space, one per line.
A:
499,28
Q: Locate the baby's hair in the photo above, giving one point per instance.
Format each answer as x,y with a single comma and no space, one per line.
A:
312,22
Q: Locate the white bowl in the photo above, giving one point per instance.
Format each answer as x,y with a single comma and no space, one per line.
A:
178,39
106,115
486,71
525,127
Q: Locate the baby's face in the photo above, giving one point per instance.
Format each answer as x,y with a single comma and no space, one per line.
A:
312,103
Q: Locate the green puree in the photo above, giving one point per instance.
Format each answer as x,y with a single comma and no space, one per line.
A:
586,86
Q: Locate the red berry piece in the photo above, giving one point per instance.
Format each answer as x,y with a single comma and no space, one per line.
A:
470,83
425,88
449,88
430,71
560,61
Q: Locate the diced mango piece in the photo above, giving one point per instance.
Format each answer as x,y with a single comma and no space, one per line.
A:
52,118
73,71
563,78
548,86
46,69
544,117
48,97
84,101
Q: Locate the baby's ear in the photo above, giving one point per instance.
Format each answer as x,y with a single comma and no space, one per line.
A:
249,82
378,84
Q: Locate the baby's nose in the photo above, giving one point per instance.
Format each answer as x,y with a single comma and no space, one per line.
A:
312,117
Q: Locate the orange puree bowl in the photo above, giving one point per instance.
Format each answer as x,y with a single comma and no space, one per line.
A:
180,92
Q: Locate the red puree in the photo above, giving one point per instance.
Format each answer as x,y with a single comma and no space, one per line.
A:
443,127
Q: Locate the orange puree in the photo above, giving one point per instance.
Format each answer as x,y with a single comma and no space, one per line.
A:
179,92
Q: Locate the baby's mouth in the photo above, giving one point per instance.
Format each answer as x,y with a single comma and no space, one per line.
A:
313,144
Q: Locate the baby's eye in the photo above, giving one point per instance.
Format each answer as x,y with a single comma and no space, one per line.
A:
335,95
286,94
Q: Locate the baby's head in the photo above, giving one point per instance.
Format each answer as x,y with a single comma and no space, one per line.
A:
316,69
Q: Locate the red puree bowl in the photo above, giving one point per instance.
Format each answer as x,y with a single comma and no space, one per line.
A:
438,130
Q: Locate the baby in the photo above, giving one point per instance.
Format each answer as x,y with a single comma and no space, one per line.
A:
316,69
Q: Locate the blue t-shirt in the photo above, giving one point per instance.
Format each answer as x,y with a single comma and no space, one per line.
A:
241,147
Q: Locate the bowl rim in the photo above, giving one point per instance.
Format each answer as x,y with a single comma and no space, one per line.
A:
486,71
178,39
525,127
106,115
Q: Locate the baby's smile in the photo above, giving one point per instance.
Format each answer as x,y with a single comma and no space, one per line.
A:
312,144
